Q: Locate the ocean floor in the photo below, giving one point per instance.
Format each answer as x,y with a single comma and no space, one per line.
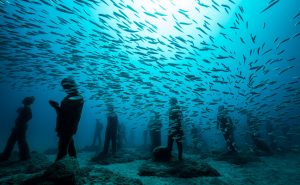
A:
274,170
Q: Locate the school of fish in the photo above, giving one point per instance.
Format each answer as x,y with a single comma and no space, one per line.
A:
139,56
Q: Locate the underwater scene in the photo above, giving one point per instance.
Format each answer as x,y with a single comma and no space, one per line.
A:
153,92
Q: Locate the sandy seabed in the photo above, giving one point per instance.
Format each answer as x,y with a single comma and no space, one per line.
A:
272,170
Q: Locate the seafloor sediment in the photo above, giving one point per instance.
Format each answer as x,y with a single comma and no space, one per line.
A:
275,170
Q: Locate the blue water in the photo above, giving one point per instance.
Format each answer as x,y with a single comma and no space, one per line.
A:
138,54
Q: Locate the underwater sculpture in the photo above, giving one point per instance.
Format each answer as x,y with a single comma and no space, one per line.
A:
68,117
19,132
175,127
224,122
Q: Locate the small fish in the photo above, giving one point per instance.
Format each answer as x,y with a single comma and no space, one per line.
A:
160,14
253,38
132,9
279,53
266,52
241,9
46,2
203,5
284,70
289,60
242,40
231,1
150,14
198,28
298,14
64,10
215,8
296,35
270,5
220,26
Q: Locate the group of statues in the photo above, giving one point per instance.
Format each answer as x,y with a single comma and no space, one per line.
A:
67,120
115,132
260,146
69,114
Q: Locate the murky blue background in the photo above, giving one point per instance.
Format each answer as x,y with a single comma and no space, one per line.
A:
137,54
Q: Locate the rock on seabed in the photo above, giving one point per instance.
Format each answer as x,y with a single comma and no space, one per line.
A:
181,169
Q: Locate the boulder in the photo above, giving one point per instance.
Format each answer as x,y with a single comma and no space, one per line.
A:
15,171
35,164
161,154
123,156
65,171
237,158
68,172
182,169
104,176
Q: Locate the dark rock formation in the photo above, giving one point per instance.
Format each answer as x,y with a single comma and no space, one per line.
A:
104,176
37,163
182,169
68,172
237,158
123,156
161,154
65,171
14,171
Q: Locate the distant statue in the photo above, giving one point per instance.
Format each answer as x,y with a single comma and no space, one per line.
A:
175,127
224,122
155,130
145,136
98,133
199,143
68,117
19,132
260,146
195,136
270,132
121,136
111,131
132,136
